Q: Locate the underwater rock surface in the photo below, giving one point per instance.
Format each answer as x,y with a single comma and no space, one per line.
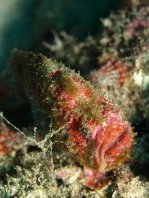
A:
60,135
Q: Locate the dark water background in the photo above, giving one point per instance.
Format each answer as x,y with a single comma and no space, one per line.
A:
23,23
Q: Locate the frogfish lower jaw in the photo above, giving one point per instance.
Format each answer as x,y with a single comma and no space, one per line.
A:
111,143
107,157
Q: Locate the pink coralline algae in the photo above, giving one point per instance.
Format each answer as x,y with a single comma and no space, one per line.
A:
137,24
8,140
114,71
96,135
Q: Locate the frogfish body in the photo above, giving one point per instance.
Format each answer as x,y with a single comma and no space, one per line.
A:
96,134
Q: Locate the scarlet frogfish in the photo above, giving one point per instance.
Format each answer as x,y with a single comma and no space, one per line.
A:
97,135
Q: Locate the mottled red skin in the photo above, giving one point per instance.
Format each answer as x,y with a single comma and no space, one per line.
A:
8,140
110,140
96,134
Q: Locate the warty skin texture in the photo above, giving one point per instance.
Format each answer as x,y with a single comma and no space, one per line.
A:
96,135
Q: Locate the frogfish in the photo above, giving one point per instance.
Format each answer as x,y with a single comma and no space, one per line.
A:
97,135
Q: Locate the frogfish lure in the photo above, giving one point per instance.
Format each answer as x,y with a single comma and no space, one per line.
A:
97,135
